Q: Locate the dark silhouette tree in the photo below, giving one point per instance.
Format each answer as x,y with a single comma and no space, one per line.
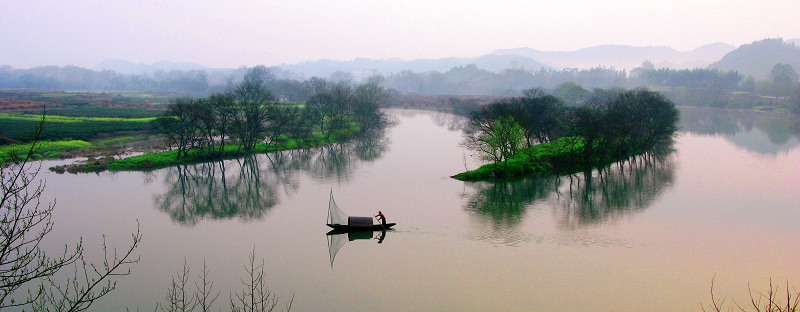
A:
30,278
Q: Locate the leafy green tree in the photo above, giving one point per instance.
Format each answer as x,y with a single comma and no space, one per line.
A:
588,122
749,84
794,101
640,118
571,92
507,137
783,78
540,116
494,140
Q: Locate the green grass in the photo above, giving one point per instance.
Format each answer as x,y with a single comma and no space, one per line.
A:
95,111
58,95
539,160
561,156
116,141
46,149
164,159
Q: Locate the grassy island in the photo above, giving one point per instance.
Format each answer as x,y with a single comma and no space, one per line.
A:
536,135
561,156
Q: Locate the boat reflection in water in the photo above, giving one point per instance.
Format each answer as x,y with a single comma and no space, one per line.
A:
337,239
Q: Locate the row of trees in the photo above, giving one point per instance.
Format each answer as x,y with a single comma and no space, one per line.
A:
249,114
189,82
707,86
471,80
647,74
612,123
287,86
698,87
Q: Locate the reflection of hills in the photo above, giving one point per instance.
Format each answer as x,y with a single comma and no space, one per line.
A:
247,188
617,190
759,132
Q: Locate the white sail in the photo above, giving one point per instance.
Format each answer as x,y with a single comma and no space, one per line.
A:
335,215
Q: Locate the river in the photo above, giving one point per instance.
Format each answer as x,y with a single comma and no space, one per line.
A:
648,234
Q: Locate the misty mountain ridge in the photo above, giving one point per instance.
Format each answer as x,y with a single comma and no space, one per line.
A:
758,58
608,56
624,56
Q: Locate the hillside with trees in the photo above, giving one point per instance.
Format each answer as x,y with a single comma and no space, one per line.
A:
758,58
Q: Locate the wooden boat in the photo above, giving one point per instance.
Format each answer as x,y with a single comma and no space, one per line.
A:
374,227
340,221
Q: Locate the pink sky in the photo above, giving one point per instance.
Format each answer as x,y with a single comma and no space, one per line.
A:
247,33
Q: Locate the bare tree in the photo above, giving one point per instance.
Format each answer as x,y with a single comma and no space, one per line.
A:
369,98
771,301
256,296
254,104
29,277
330,109
181,125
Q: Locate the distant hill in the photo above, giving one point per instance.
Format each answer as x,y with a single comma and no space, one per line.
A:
625,57
758,58
364,67
616,56
130,68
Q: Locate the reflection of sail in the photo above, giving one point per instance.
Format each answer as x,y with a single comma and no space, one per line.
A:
335,242
337,239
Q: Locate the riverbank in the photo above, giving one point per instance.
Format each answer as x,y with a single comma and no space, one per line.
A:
163,159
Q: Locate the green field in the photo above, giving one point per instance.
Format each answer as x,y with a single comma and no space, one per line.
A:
95,111
21,127
45,149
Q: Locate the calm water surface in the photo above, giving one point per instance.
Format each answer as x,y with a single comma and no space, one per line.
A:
646,235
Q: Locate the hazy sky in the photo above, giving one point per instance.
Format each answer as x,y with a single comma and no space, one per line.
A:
237,33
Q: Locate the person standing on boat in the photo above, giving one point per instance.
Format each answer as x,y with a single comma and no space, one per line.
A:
381,217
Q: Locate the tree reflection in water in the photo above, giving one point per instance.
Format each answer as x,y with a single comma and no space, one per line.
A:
218,190
739,126
246,188
578,199
615,191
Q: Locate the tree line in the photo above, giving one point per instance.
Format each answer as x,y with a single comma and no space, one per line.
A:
713,87
612,123
697,87
249,115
